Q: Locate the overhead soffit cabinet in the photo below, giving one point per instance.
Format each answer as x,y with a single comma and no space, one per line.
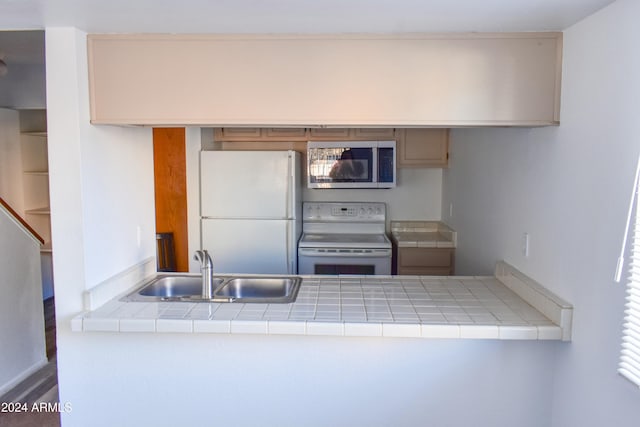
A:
446,80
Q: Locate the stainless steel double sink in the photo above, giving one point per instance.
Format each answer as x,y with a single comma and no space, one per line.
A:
240,289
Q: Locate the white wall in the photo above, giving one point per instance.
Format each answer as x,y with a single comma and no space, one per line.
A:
501,184
21,312
418,195
117,198
101,188
569,188
11,159
276,381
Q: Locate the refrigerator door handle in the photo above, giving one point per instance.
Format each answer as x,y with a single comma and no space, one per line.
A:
288,246
290,189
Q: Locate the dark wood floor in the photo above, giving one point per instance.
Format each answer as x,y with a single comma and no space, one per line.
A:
42,386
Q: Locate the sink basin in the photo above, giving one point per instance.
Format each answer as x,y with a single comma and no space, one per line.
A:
250,289
170,288
260,289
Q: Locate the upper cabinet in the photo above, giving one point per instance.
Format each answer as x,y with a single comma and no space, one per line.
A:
303,134
416,147
363,81
240,134
375,134
422,148
330,134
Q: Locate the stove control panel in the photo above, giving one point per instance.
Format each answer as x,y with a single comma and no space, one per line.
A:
344,212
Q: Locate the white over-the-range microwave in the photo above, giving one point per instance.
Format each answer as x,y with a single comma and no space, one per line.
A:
351,164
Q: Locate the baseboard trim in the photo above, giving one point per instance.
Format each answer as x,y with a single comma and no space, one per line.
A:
23,376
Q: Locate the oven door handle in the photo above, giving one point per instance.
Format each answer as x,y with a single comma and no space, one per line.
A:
373,253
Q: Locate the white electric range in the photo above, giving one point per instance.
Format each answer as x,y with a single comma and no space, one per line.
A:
344,238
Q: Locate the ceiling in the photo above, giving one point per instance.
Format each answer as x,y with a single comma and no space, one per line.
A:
278,16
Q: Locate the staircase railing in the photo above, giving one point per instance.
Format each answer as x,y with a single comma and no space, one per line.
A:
20,221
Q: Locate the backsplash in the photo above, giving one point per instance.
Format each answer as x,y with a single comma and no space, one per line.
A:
418,195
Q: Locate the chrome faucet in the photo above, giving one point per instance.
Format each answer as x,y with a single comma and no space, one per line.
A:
206,268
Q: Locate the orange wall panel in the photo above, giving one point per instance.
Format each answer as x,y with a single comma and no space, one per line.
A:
170,172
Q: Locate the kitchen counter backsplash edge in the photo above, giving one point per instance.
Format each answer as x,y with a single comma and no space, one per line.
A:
105,291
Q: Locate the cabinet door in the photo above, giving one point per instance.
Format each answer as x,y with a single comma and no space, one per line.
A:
383,89
235,134
374,134
329,134
285,134
425,261
423,148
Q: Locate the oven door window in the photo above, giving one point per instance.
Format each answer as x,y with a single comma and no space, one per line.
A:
344,269
329,165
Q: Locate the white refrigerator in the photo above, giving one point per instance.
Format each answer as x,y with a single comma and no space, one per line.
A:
251,210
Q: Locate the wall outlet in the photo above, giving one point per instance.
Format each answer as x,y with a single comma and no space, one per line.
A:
450,210
525,245
139,236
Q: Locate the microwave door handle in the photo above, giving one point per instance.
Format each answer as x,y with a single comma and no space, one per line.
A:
374,169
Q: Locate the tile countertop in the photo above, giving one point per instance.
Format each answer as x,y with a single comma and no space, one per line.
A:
423,234
509,306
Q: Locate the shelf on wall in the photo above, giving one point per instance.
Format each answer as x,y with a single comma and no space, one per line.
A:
39,211
40,134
